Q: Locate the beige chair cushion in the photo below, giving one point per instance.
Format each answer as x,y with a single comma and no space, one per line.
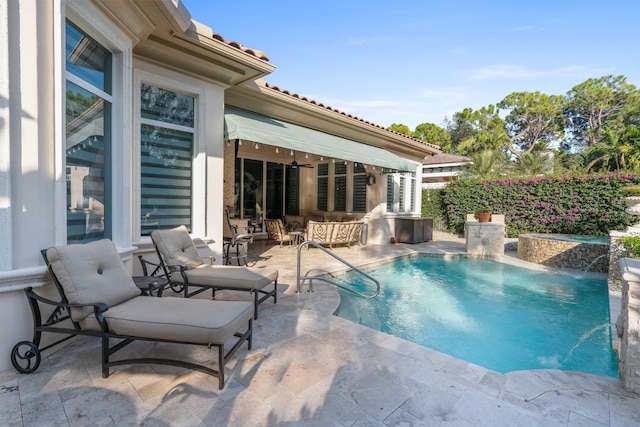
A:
91,272
177,247
227,276
190,320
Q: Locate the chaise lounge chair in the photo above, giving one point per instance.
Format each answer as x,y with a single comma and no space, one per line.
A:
182,265
100,298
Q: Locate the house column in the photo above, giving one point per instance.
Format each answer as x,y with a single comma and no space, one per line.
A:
6,259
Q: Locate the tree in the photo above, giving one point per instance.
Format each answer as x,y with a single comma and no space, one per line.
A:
607,102
535,163
614,150
477,130
534,118
400,128
486,164
433,134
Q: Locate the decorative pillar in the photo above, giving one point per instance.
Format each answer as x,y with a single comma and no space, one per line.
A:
629,325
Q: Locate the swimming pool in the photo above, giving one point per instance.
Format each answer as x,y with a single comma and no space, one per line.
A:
492,314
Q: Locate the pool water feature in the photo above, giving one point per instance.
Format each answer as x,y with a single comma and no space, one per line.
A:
495,315
572,251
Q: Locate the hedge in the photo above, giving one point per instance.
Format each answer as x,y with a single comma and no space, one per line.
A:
583,204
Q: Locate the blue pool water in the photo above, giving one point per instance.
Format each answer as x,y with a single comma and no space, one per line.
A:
492,314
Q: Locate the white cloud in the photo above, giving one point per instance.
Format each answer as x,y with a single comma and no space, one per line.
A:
513,71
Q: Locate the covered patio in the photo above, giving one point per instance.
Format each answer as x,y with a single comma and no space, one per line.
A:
308,367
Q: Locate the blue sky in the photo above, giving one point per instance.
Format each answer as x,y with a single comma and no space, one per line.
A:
417,61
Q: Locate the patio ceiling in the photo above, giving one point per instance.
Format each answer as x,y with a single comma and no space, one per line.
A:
242,124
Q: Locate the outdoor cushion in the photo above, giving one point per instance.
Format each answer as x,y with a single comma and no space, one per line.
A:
227,276
195,321
91,272
177,247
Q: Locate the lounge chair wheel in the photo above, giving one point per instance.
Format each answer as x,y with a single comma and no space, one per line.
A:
25,357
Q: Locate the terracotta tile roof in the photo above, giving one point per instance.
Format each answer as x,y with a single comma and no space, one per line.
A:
311,101
255,52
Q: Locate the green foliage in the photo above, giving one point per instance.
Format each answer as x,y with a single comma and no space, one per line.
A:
631,244
534,119
433,134
477,130
400,128
432,207
606,102
630,191
486,164
573,204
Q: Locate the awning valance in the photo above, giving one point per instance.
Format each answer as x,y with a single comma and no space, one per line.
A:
245,125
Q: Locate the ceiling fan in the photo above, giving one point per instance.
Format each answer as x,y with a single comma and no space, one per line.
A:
296,165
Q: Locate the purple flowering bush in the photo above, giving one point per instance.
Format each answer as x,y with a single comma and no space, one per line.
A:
579,204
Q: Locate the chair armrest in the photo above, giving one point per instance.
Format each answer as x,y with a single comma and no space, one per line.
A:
98,307
145,262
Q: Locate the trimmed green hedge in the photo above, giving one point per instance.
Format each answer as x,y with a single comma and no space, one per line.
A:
585,204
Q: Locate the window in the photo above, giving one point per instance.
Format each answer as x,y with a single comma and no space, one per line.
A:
340,186
280,190
359,188
390,193
166,156
323,186
397,194
88,101
292,193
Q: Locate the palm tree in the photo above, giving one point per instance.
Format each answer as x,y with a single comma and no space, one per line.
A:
486,164
613,147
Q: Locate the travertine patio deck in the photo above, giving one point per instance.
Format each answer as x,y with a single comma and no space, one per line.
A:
310,368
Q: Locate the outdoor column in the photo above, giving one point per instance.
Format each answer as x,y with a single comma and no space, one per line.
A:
629,323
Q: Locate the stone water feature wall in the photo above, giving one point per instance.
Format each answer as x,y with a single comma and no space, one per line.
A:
563,253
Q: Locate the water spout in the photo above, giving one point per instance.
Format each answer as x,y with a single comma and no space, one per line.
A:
595,260
583,338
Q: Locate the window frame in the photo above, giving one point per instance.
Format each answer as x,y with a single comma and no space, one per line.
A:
162,78
400,196
95,24
109,134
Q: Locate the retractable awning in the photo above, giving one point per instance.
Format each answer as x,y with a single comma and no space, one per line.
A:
245,125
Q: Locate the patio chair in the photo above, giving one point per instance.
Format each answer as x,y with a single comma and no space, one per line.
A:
234,240
277,232
182,264
99,298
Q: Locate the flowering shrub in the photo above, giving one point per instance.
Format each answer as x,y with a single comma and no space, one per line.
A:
579,204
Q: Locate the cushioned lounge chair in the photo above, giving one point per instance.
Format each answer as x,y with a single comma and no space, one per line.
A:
182,264
100,298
